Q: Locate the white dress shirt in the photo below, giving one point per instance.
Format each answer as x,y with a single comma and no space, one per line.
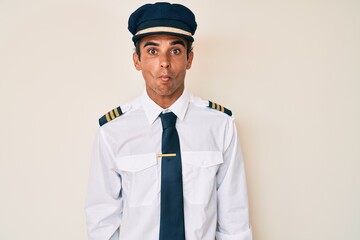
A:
123,200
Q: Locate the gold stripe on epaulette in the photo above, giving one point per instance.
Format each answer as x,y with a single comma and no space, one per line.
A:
222,109
116,112
112,115
107,117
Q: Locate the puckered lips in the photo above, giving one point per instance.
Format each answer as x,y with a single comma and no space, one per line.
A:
165,77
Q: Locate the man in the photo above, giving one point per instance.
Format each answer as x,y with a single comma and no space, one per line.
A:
166,165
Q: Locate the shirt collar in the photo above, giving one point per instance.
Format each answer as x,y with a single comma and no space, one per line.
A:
152,110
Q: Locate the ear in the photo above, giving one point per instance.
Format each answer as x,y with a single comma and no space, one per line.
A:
137,62
189,60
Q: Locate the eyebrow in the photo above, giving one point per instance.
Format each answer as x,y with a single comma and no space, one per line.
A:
150,43
178,42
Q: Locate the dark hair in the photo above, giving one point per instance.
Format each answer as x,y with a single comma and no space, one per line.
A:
188,45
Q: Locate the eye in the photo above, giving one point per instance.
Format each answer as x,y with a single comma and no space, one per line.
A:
152,51
175,51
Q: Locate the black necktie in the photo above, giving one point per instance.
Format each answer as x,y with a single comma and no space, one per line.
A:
172,206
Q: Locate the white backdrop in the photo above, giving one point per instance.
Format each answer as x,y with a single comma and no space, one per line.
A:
289,70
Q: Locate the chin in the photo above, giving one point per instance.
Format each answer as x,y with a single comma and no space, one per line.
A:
165,92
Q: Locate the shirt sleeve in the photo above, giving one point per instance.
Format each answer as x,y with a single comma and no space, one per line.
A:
104,203
233,208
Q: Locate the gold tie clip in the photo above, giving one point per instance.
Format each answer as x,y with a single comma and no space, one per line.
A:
166,155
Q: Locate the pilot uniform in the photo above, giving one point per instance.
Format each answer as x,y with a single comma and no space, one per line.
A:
125,181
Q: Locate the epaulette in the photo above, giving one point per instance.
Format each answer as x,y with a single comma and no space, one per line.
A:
219,108
116,112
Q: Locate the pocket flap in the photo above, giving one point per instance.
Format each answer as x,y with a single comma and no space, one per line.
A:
202,159
136,163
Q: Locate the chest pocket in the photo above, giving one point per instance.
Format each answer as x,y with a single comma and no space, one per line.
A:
199,175
140,178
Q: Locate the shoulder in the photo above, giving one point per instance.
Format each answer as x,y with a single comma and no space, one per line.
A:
111,115
118,112
210,106
219,107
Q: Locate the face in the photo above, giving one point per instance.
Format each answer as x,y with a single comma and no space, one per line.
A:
163,64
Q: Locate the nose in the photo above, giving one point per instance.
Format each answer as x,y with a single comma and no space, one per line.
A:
164,61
